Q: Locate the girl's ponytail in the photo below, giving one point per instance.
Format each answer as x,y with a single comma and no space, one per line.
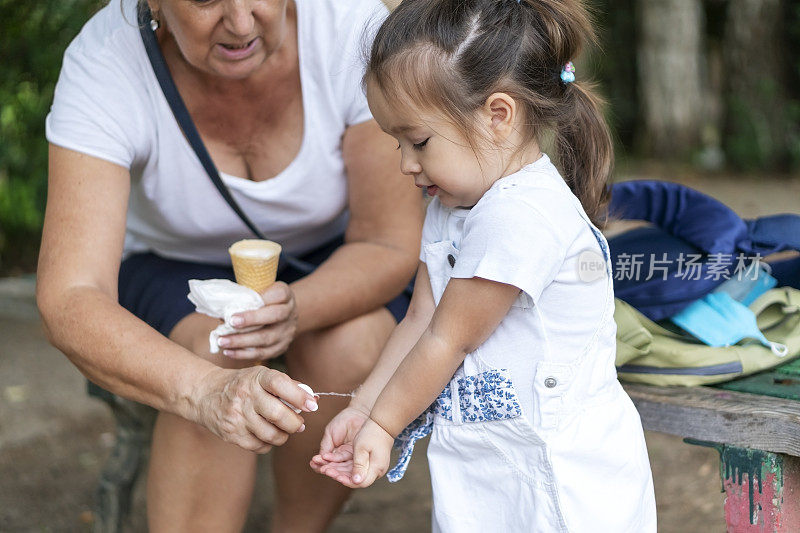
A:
585,149
583,141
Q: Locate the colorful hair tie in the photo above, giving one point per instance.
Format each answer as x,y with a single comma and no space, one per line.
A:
568,73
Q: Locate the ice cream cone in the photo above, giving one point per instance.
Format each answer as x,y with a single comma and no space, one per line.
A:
255,263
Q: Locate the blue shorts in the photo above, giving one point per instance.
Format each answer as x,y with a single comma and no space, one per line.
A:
154,288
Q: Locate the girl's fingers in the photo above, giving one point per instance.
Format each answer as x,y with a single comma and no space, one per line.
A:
341,475
360,465
326,445
316,465
345,467
347,482
342,453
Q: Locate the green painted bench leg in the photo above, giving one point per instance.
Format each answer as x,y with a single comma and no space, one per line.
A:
134,425
762,489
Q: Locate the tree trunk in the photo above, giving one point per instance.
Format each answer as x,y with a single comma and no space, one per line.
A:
613,63
670,60
757,124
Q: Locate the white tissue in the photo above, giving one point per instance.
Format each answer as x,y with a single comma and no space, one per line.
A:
222,298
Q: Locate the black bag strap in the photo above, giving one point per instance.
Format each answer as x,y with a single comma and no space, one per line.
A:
186,124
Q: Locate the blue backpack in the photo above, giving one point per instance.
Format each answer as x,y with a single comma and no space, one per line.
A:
695,244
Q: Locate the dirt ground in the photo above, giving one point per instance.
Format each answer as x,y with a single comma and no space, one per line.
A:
54,440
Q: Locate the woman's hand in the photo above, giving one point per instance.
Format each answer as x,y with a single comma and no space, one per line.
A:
336,448
244,407
278,321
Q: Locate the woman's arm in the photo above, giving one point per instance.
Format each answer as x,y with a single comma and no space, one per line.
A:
76,289
382,238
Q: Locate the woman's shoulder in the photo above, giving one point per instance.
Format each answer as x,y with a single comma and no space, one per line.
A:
339,13
333,36
341,23
108,49
113,29
103,89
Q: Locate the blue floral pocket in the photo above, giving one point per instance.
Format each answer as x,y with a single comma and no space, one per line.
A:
484,397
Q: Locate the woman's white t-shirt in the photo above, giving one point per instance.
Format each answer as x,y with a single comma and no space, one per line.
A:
108,104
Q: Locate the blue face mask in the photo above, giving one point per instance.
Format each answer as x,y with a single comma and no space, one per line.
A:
719,320
748,285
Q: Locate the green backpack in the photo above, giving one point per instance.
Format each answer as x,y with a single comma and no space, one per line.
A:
662,355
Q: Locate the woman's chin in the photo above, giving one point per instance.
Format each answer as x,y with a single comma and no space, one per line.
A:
236,70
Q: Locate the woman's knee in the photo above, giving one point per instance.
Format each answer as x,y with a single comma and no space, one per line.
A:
173,431
341,355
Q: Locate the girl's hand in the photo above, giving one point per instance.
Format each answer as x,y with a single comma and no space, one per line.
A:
243,406
336,447
278,321
371,454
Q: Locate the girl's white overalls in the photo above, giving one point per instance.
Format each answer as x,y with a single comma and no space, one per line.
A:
581,466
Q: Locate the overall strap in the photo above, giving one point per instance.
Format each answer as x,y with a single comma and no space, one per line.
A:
186,124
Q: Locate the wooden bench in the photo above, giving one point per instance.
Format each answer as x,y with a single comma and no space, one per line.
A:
753,422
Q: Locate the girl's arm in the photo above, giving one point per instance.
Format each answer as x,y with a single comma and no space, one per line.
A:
400,343
339,433
469,311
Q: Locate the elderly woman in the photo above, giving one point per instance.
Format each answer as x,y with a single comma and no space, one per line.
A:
273,87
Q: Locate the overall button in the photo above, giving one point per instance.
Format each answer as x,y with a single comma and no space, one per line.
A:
451,259
550,382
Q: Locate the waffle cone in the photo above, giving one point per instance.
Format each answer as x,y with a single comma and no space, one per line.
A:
255,263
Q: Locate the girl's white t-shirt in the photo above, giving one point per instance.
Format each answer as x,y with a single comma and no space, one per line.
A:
108,104
527,231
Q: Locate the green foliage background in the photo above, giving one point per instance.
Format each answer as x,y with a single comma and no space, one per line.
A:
34,34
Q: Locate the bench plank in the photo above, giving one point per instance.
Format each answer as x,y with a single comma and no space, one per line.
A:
708,414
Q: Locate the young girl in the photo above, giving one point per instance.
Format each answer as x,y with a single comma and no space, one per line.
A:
508,347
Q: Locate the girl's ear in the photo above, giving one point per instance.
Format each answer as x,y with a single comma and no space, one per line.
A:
501,112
